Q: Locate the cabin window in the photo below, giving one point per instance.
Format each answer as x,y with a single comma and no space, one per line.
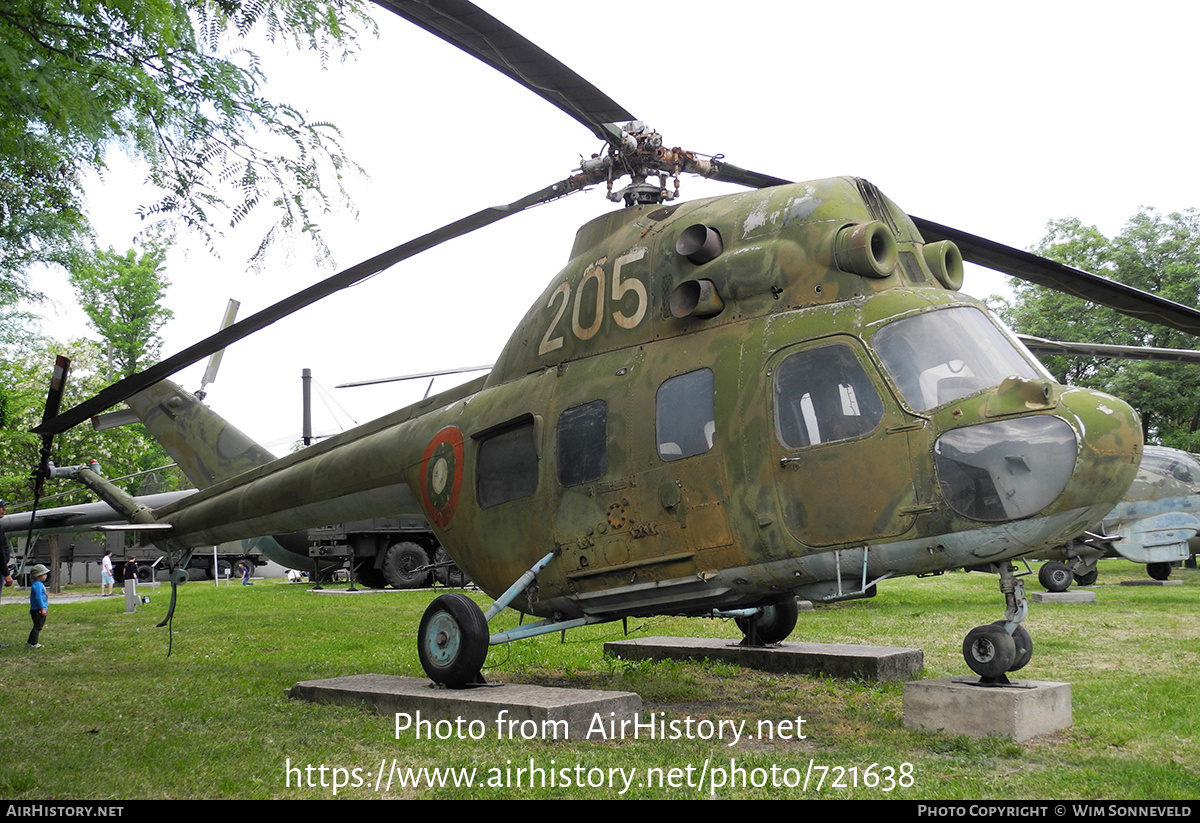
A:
684,420
822,396
507,465
583,443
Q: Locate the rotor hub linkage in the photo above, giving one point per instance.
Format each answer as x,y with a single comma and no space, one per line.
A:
638,151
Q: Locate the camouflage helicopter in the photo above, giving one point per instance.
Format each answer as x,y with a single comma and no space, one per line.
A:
716,406
1155,524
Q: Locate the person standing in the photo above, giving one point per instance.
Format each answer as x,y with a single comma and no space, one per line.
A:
37,603
106,574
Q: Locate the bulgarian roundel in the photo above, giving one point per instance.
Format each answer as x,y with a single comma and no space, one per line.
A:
441,474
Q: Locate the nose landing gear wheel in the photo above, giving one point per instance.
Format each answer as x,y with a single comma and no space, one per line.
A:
990,651
1024,644
452,641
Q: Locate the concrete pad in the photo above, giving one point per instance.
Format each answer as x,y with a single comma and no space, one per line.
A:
529,712
1073,596
958,705
1151,582
834,659
357,590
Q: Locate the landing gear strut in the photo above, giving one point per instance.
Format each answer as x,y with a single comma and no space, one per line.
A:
1004,646
453,639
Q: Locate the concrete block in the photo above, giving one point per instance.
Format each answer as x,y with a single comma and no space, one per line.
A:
836,660
1073,596
958,705
1151,582
539,712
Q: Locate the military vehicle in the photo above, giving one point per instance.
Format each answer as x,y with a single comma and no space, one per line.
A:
715,407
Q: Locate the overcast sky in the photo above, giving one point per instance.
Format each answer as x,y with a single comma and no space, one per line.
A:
993,119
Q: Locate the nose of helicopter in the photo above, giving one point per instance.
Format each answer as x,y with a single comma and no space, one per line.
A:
1080,458
1109,433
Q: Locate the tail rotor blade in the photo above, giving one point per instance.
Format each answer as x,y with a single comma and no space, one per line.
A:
54,396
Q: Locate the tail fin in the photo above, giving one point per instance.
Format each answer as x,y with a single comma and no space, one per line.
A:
204,445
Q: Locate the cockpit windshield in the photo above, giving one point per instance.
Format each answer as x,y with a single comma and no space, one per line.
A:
940,356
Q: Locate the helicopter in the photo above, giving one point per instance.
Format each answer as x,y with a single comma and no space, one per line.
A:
717,406
1155,523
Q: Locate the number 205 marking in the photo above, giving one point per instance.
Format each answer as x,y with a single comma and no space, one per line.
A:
620,288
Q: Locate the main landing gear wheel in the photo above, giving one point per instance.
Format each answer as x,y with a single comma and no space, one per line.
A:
1055,576
773,624
990,651
1087,578
453,641
1159,571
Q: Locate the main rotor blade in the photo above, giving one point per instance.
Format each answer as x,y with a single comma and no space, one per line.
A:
1039,346
355,274
441,373
729,173
470,28
1026,266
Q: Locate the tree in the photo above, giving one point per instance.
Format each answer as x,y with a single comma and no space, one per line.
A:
121,294
24,377
1155,253
80,78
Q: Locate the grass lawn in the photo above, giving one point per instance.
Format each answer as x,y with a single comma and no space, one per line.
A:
103,712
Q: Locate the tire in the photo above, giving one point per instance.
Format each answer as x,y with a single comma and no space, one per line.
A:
774,623
145,574
400,565
452,641
223,569
1159,571
1055,576
989,651
1024,646
370,576
1087,578
450,576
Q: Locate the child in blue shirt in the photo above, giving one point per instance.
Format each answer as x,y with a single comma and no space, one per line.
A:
37,603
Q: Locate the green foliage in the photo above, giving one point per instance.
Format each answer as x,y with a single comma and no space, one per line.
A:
1156,253
168,82
24,377
121,295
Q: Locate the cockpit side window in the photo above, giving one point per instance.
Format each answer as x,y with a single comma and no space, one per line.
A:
824,395
684,418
